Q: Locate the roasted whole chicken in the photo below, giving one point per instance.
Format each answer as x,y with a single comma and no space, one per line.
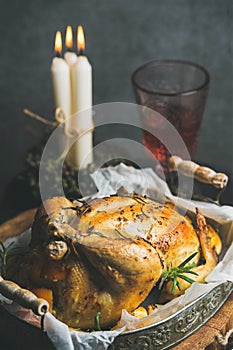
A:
107,255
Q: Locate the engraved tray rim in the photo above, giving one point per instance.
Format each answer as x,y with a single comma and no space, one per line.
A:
168,332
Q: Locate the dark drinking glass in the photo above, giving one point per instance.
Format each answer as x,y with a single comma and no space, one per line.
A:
178,91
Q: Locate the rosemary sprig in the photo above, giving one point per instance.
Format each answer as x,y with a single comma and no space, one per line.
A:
149,232
4,251
138,199
97,321
134,196
143,212
178,271
122,235
97,234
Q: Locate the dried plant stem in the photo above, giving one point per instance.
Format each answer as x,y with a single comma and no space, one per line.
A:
38,117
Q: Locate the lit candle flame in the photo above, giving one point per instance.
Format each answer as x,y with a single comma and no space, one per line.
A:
80,40
69,38
58,43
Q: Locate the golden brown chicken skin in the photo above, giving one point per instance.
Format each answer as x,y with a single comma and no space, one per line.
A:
108,254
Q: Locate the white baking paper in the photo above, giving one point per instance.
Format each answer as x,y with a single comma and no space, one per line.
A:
143,181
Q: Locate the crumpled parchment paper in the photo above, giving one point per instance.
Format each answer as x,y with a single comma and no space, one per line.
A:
141,181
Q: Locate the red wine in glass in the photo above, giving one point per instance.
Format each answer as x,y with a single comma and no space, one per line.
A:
183,119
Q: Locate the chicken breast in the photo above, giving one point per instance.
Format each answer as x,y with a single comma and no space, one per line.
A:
170,233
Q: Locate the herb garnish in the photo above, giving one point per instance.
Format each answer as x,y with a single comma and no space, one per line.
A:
122,235
174,272
97,321
143,212
134,196
149,232
138,199
4,255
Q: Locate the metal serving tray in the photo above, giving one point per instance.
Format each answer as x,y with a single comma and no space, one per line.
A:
167,333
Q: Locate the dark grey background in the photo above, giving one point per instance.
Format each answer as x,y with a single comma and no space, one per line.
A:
120,36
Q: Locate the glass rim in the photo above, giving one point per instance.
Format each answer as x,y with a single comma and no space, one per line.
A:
184,92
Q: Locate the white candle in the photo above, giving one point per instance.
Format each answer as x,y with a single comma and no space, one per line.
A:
70,57
81,153
60,74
